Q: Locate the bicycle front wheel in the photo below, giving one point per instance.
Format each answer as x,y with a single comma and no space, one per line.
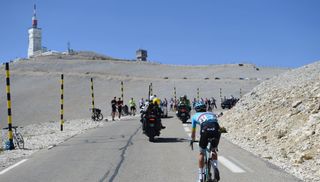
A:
100,117
18,140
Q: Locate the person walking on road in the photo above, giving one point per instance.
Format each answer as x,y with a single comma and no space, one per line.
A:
113,107
119,104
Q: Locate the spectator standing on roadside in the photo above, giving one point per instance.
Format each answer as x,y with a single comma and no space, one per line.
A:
132,105
213,102
171,104
119,104
141,103
113,107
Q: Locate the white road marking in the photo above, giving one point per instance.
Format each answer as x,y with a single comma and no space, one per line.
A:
185,125
242,165
230,165
13,166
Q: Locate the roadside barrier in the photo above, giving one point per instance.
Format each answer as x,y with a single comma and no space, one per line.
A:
10,134
61,104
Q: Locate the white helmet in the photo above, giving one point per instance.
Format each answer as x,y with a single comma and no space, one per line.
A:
152,97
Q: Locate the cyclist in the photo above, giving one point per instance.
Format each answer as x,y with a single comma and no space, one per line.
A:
209,128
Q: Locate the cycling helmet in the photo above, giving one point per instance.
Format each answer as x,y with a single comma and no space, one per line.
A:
200,107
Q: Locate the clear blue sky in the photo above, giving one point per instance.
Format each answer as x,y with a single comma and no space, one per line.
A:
282,33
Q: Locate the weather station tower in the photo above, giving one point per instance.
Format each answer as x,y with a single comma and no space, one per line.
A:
34,36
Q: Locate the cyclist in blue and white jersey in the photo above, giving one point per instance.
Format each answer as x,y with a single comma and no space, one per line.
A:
209,128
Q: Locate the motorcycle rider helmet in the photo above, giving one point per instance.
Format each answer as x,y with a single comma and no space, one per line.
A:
200,107
151,98
156,101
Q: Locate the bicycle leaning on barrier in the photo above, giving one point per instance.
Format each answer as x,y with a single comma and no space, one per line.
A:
96,114
17,137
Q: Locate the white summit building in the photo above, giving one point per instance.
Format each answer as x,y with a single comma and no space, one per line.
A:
35,37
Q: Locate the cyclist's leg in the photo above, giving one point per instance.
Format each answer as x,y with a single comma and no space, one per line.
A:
203,142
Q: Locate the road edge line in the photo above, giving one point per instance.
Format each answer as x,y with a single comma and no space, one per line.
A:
13,166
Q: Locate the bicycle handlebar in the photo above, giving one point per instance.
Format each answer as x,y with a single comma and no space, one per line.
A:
14,127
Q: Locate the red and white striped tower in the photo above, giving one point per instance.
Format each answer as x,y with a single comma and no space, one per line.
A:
34,36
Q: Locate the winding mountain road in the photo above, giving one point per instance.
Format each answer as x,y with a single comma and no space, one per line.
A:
120,152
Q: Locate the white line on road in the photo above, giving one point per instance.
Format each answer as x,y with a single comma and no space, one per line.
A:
13,166
242,165
228,164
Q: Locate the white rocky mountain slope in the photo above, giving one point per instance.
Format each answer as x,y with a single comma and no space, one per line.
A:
279,120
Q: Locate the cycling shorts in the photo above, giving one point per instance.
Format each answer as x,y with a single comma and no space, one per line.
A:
208,131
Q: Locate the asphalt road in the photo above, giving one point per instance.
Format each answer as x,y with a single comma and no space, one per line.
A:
120,152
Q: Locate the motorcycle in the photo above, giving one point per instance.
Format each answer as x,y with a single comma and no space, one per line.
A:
151,126
183,114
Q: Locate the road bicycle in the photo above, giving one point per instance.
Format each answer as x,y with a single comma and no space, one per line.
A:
96,114
207,175
17,137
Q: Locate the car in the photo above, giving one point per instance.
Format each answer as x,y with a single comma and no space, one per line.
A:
229,103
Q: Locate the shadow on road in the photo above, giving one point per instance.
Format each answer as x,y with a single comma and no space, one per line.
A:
170,140
168,117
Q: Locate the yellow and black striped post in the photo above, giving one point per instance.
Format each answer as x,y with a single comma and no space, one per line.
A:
149,94
10,135
92,94
198,93
61,104
122,91
151,89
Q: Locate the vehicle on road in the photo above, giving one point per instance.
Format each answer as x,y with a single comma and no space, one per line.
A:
96,114
17,137
229,103
183,113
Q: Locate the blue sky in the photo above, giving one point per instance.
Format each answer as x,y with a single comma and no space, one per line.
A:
283,33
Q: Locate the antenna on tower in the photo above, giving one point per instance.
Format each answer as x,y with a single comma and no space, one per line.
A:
34,17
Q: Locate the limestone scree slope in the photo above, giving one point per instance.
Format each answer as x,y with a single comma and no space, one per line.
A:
279,120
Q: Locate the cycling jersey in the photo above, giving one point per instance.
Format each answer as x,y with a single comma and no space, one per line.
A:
209,128
202,118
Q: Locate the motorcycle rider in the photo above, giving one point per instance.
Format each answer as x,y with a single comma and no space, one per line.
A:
184,102
152,108
209,128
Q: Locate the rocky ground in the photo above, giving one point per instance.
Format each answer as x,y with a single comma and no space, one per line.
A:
279,120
